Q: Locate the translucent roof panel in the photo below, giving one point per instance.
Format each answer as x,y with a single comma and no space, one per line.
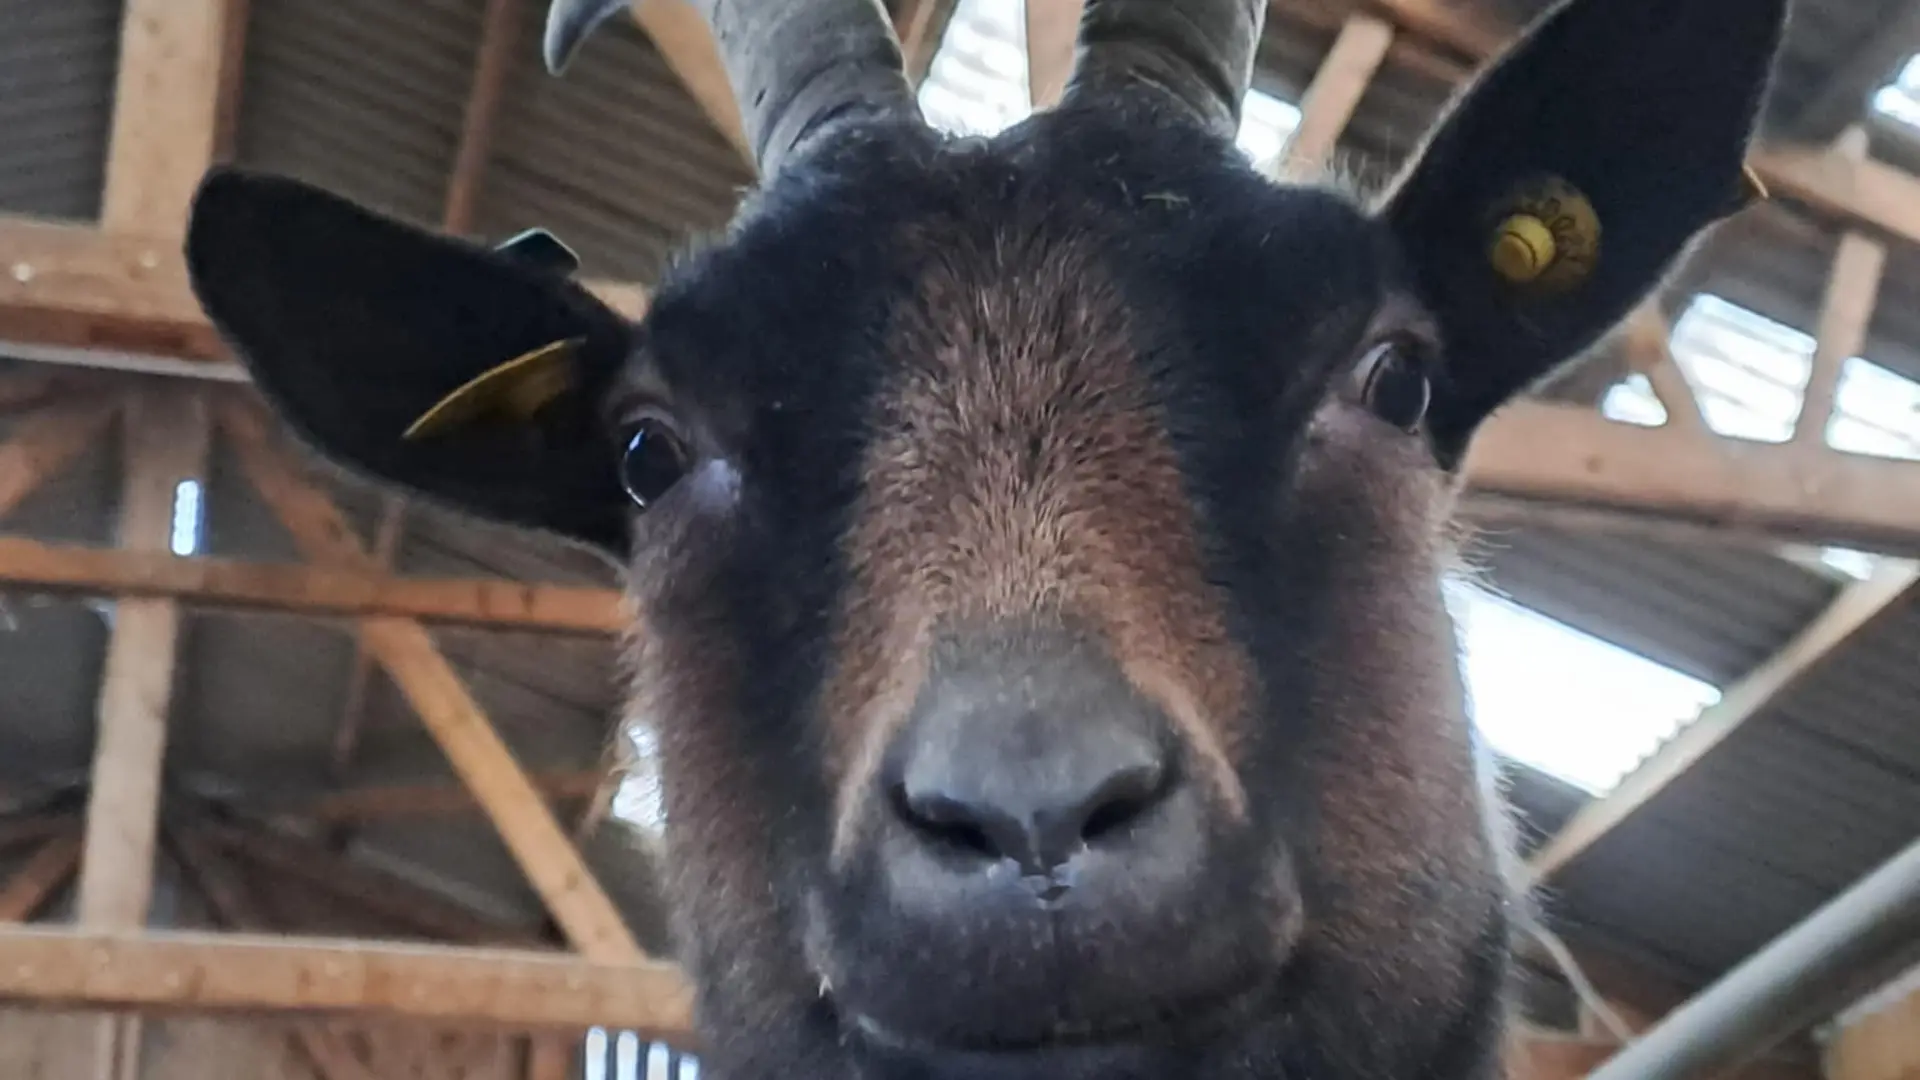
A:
1900,99
1563,701
977,84
1750,375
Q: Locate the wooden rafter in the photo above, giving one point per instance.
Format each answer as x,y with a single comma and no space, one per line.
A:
1052,28
1335,92
301,589
166,443
424,677
42,874
1853,288
235,908
42,444
247,974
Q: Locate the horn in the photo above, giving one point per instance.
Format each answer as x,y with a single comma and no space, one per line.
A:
1198,52
794,64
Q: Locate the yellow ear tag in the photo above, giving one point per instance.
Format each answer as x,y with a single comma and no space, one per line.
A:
516,389
1546,236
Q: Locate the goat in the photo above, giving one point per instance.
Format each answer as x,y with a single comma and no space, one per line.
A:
1038,541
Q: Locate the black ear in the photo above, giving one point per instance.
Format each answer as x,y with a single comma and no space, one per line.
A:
354,326
1569,177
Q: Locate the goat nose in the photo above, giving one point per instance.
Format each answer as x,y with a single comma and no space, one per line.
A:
1062,805
1028,746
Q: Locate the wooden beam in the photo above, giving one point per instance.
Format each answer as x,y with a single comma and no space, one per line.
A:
42,444
240,974
1330,100
549,1058
166,444
1853,288
432,800
1649,353
921,25
171,109
686,44
34,828
353,705
1857,610
1537,462
1052,28
1878,1039
36,880
234,907
315,591
478,755
491,66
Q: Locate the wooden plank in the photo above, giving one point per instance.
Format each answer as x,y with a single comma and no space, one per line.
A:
1537,462
1853,288
1650,354
36,880
478,755
549,1058
686,44
1878,1039
921,25
484,763
1857,610
1053,26
33,828
316,591
353,704
40,445
240,974
491,67
235,907
1330,100
171,109
166,444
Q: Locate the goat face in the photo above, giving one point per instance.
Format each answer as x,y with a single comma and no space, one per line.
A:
1038,540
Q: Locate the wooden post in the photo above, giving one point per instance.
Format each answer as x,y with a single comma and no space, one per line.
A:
166,445
1335,91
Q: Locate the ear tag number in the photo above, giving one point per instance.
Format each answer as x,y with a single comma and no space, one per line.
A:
515,390
1545,237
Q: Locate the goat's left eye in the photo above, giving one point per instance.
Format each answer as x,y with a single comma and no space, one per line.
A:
654,461
1393,383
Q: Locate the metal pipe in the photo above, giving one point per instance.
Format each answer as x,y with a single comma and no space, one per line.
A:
1799,978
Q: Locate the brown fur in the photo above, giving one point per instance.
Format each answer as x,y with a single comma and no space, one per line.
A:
1023,474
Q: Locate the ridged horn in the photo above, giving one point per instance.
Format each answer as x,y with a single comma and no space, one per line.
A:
1198,52
793,64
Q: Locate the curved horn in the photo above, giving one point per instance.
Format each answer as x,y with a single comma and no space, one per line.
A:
793,65
1199,52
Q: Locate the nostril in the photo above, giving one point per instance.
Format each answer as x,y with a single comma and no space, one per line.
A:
947,822
1120,801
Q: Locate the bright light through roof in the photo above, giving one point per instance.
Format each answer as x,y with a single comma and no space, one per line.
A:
1562,701
977,84
1750,373
1900,99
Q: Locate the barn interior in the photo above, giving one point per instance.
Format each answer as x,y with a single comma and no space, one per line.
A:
299,779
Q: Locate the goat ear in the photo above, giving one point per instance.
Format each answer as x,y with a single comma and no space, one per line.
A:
355,326
1569,177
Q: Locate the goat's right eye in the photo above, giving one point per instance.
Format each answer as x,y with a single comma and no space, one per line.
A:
655,460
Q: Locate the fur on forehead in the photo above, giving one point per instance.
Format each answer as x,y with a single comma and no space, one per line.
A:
1207,251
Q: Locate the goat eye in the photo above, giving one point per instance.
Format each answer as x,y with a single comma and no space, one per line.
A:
654,461
1394,385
